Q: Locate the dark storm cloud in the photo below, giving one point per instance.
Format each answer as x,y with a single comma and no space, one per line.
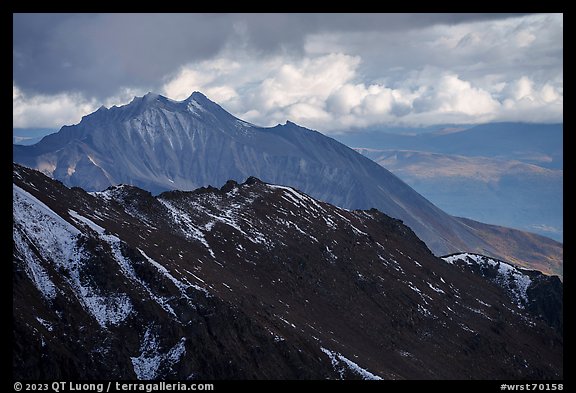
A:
272,31
96,54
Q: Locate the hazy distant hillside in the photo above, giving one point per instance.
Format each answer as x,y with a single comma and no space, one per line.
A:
30,136
540,144
502,192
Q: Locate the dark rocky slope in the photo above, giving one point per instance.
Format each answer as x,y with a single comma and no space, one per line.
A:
250,281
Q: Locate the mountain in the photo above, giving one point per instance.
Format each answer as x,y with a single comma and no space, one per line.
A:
503,192
256,281
159,144
539,295
519,247
538,144
30,136
24,140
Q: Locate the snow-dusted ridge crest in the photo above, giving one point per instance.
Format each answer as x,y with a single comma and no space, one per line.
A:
516,280
255,281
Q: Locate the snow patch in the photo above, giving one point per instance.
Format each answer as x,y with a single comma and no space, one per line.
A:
56,240
511,278
33,268
191,232
424,311
414,288
195,107
128,271
277,338
95,227
147,365
483,303
295,226
285,321
464,327
339,361
183,288
108,310
45,323
435,288
331,255
299,198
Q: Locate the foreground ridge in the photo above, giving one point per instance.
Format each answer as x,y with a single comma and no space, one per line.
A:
251,281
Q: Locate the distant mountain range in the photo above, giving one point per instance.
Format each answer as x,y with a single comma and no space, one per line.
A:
538,144
159,144
259,281
30,136
504,192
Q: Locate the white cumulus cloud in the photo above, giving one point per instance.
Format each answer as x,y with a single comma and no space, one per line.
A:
325,92
328,92
49,110
324,71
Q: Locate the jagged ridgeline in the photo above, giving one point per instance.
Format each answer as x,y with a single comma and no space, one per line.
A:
159,144
259,281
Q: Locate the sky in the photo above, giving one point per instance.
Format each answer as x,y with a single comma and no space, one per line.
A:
335,73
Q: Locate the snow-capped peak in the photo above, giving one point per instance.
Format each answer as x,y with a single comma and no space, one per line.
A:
197,96
148,97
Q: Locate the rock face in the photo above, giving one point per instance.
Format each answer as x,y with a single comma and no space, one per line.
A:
254,281
158,144
539,294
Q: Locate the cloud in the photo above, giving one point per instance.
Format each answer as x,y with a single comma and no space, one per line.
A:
454,95
325,92
533,103
51,111
57,110
95,54
331,72
322,92
528,45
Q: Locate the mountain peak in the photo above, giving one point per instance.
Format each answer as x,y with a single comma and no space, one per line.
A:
148,97
198,96
198,102
253,180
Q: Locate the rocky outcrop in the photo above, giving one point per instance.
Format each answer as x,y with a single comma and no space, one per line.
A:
251,281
